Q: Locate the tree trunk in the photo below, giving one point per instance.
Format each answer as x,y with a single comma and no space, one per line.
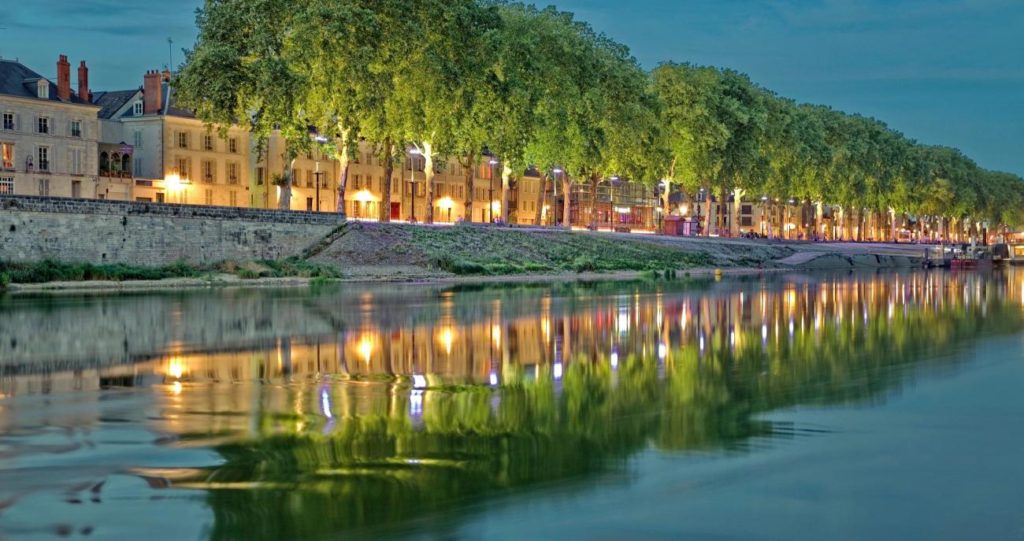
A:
566,202
543,198
428,174
344,162
665,205
470,167
385,187
594,179
285,202
737,204
819,219
707,213
506,175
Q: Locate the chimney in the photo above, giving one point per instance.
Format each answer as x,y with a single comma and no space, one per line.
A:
63,78
167,75
152,93
83,83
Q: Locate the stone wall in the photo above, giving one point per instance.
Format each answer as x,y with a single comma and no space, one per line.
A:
36,228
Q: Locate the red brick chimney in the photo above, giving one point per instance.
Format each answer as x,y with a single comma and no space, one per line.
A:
63,78
83,83
152,93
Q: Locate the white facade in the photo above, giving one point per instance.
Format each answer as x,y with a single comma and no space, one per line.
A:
48,147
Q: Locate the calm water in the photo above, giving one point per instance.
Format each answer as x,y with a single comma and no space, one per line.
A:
785,407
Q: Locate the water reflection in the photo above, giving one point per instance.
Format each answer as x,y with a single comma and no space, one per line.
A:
301,415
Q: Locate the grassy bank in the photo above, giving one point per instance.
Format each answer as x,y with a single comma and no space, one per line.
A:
482,251
62,271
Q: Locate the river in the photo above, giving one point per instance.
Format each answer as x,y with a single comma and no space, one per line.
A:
787,406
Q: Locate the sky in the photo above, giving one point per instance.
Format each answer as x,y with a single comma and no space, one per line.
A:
945,72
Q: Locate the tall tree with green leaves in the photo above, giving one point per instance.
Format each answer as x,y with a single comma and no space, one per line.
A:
239,73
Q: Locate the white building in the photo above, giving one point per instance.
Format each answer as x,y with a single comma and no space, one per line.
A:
48,134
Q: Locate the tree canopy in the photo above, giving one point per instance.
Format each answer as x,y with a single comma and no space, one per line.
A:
540,89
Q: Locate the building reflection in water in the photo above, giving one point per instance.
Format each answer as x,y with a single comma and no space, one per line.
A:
496,388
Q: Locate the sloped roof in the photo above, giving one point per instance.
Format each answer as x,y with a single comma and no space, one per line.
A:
112,101
171,107
16,79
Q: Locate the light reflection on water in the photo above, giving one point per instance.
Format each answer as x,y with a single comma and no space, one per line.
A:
294,414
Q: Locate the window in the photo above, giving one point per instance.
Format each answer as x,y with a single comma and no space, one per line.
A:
233,145
7,155
76,128
232,173
76,158
138,165
182,165
309,178
182,139
137,139
209,171
233,198
137,108
6,185
209,197
43,125
208,142
8,121
44,159
261,176
358,180
43,89
44,186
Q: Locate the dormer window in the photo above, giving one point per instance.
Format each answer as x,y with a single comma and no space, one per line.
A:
138,108
43,89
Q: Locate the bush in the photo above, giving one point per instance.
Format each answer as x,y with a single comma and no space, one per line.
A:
584,263
5,280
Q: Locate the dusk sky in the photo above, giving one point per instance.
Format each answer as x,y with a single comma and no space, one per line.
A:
947,72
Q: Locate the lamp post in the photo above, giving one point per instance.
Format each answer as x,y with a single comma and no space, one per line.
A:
316,175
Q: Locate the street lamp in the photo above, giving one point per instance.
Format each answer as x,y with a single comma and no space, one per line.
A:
317,174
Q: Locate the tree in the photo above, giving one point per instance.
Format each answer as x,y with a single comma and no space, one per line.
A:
337,46
238,72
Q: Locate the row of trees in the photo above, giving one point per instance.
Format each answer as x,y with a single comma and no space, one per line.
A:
476,79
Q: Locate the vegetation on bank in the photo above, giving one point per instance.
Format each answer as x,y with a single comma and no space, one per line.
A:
63,271
486,251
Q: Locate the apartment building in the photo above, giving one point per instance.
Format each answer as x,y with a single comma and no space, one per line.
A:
48,133
170,155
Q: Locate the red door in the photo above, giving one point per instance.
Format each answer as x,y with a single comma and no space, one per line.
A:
396,211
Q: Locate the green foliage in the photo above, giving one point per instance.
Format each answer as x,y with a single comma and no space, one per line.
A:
483,251
56,271
5,280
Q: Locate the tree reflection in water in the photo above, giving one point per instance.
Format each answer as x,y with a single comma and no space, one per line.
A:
415,411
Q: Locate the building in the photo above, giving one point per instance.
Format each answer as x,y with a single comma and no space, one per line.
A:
48,133
170,155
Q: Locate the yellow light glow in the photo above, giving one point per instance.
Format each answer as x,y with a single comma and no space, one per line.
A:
445,203
174,182
364,196
176,368
684,209
496,206
366,348
496,334
447,338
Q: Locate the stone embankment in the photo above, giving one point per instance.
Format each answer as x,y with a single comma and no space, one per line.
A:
135,233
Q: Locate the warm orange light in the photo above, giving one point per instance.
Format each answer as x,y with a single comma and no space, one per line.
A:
364,196
176,368
366,347
445,203
447,338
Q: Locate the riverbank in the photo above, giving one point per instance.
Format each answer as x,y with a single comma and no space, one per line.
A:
373,252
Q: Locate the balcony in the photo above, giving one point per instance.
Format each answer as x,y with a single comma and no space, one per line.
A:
115,174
